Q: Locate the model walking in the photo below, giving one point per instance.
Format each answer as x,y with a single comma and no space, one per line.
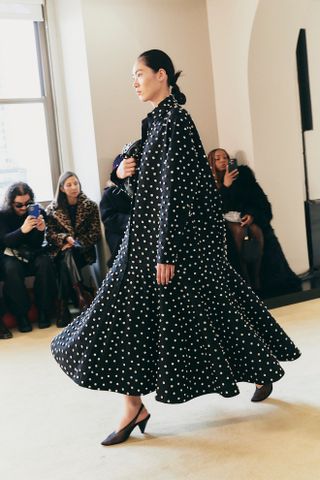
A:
171,316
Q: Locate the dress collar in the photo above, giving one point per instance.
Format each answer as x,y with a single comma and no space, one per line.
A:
166,104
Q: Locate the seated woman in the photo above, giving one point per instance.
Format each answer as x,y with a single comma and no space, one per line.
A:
73,229
248,213
21,239
115,207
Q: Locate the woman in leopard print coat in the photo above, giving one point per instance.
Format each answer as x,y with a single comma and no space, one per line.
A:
73,229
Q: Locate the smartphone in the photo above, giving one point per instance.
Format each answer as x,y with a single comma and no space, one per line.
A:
232,164
34,210
77,244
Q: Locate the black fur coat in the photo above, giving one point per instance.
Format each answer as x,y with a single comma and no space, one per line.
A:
247,197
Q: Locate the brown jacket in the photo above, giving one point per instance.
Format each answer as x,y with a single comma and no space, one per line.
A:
87,229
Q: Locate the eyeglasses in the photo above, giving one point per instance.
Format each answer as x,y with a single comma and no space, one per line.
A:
21,205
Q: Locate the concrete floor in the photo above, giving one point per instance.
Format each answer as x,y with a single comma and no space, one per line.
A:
50,429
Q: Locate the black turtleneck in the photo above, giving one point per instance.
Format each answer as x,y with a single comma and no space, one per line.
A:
11,235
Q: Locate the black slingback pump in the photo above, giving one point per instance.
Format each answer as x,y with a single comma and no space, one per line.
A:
123,434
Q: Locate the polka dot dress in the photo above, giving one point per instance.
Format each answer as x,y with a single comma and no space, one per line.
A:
203,332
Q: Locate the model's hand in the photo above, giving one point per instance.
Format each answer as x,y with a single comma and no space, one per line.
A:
29,224
126,168
165,273
230,177
246,220
41,225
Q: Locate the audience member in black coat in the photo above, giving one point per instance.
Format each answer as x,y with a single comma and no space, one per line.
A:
248,211
115,207
21,239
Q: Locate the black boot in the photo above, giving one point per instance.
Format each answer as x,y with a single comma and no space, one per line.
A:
23,324
64,315
4,332
43,320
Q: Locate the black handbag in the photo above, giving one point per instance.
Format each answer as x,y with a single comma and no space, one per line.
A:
132,149
251,250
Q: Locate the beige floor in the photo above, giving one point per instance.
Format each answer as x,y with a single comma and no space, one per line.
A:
50,429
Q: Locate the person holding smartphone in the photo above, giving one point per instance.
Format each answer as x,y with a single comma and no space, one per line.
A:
248,214
22,231
73,229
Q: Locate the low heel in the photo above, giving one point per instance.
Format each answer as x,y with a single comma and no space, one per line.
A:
142,425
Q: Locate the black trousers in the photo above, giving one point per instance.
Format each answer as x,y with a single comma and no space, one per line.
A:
69,264
14,290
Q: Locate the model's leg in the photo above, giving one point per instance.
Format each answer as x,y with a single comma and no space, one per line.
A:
131,407
135,415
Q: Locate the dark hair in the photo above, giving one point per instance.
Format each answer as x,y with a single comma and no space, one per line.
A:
212,162
60,198
15,190
156,59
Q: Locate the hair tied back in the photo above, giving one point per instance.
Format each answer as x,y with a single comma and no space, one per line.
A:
157,59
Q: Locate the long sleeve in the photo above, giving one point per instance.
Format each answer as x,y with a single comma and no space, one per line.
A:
247,197
11,239
55,233
226,198
179,184
256,202
261,208
127,185
11,235
89,231
117,181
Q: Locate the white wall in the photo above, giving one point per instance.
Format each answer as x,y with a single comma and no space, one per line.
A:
253,46
116,32
72,90
276,126
230,24
312,26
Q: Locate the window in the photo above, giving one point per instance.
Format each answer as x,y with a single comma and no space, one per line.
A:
28,145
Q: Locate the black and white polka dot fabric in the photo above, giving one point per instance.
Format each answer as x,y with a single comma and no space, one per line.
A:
203,332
